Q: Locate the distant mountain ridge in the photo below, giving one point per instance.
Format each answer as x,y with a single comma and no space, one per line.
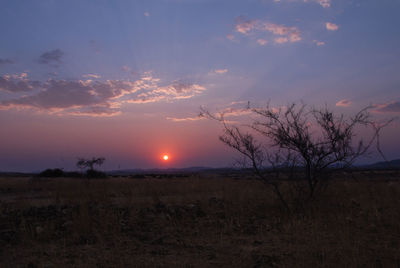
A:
393,164
167,170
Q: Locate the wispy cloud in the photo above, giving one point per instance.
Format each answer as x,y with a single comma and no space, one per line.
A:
244,26
94,46
344,103
6,61
280,33
185,119
126,68
390,107
234,109
92,98
262,42
221,71
292,33
176,91
230,37
147,14
331,26
323,3
96,76
53,56
17,83
233,112
319,43
104,110
281,40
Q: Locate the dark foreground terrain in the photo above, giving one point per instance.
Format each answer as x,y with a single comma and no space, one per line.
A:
199,221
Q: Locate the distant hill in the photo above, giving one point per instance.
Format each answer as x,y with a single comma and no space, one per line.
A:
393,164
157,170
170,170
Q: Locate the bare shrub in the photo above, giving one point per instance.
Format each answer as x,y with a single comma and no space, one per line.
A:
301,145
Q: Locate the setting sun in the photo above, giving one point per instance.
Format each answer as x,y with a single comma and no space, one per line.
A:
165,157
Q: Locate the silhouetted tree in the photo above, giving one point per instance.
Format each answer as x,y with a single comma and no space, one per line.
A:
90,163
306,142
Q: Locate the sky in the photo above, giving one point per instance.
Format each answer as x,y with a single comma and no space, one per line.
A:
125,79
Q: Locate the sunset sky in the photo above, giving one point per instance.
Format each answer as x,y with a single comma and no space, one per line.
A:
125,79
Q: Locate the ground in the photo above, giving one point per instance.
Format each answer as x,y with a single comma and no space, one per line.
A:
205,220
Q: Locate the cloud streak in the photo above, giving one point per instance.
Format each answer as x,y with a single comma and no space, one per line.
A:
319,43
323,3
280,33
262,42
331,26
221,71
17,83
6,61
344,103
185,119
390,107
176,91
245,26
53,56
92,98
234,112
96,76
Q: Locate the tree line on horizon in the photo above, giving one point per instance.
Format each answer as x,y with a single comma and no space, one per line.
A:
86,165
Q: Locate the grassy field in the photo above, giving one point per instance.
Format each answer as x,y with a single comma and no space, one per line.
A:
198,221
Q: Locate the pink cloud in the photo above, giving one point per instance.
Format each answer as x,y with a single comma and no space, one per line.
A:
262,42
221,71
186,119
96,76
233,112
319,43
390,107
291,33
281,40
331,26
230,37
17,83
176,91
245,26
282,33
324,3
344,103
96,98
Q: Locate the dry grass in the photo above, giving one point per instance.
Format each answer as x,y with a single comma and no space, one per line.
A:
195,222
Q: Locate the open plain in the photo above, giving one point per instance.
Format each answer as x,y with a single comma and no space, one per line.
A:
199,220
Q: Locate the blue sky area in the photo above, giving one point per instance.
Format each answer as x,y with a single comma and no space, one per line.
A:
125,79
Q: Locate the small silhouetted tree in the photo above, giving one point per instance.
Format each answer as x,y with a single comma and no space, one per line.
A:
309,143
89,164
